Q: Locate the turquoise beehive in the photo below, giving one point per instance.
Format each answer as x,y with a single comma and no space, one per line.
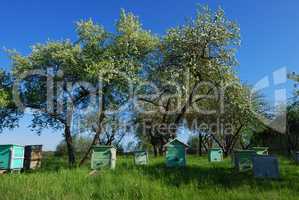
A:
176,153
215,155
11,157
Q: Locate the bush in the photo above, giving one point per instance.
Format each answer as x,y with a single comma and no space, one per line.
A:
81,144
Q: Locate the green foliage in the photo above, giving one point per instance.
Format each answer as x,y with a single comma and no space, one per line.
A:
4,98
81,144
198,57
194,145
5,89
51,54
293,126
195,56
108,55
9,113
205,47
294,77
194,71
293,117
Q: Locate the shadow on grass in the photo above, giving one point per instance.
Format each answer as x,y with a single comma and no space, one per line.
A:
53,164
210,176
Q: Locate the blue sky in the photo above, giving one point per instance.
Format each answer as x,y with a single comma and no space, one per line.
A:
269,33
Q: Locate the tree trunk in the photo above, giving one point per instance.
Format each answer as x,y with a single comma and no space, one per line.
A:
161,150
225,154
94,142
98,131
199,146
290,145
70,147
155,150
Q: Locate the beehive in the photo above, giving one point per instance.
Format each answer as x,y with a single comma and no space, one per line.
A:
261,150
265,166
33,156
176,153
215,155
103,157
11,157
242,159
140,157
296,156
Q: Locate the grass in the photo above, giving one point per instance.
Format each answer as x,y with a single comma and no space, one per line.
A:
199,180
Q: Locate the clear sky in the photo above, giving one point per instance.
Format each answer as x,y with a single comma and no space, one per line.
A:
269,33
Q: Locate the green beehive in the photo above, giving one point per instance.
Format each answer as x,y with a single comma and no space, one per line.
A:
103,157
11,157
261,150
140,158
176,153
242,159
215,155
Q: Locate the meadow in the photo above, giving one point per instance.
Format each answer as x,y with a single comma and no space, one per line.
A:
198,180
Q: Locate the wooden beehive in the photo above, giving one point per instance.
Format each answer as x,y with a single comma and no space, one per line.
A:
33,157
103,157
215,155
176,153
140,158
11,157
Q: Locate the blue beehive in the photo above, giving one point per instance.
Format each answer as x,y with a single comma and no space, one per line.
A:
296,156
11,157
265,166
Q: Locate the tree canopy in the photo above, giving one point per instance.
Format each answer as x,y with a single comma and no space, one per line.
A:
131,76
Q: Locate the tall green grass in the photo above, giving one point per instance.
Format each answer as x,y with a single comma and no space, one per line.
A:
199,180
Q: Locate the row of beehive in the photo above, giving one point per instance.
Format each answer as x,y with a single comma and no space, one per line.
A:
257,158
216,154
105,156
17,157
